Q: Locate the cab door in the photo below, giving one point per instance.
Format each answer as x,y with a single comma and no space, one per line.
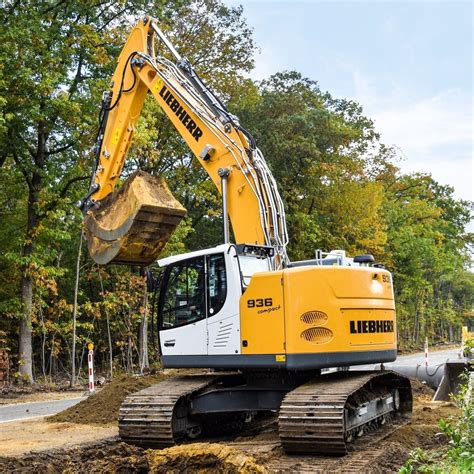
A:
224,291
182,308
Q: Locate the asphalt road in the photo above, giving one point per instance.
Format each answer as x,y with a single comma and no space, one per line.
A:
20,411
435,358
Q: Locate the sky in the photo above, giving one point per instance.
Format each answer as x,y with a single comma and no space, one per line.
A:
408,63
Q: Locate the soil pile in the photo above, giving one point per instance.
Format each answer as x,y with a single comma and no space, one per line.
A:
123,458
202,457
423,430
103,407
421,391
99,458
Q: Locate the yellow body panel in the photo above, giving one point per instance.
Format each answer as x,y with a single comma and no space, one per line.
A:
344,294
262,317
319,310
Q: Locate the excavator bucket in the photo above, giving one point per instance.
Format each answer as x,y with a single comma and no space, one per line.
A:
133,224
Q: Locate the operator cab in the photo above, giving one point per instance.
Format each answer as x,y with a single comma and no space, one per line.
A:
197,300
186,277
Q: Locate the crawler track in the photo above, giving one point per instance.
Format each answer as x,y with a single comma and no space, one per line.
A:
158,416
318,417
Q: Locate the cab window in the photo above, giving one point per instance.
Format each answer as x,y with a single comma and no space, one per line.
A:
250,264
182,300
217,283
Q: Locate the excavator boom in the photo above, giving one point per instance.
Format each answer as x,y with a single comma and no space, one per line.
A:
225,150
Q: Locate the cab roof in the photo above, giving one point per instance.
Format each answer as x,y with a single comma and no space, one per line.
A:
163,262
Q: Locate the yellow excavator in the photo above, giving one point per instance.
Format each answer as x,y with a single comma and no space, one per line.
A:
263,326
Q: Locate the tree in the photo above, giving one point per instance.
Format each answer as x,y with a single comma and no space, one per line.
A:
315,147
427,249
55,58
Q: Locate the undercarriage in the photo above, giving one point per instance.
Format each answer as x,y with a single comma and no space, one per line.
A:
318,414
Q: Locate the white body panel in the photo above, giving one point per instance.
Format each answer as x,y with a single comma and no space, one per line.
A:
224,327
186,340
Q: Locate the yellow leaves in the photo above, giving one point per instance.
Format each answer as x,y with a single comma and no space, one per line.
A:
354,217
43,279
63,305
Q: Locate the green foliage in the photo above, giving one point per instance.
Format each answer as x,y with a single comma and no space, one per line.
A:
427,250
314,145
469,347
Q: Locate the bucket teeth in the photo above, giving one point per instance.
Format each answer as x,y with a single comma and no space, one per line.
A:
133,224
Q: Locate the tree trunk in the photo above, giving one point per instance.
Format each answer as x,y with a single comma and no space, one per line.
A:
74,314
111,355
25,342
43,344
109,336
26,283
451,333
143,332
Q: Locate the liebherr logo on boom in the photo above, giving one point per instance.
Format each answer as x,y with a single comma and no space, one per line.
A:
183,116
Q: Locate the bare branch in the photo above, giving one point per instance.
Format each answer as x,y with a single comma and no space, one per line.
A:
112,18
60,149
53,203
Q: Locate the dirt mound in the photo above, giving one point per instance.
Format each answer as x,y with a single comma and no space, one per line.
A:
202,457
423,430
123,458
103,407
393,457
421,391
104,457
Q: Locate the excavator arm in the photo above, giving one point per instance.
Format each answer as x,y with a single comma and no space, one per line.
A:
223,148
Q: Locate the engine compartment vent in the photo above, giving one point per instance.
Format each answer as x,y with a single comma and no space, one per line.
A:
317,335
314,317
